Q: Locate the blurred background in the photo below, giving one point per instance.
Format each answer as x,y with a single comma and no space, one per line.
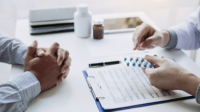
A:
165,13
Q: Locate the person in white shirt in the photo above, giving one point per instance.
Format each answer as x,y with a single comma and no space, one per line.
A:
167,74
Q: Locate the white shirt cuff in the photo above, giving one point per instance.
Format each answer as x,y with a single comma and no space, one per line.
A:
184,33
28,86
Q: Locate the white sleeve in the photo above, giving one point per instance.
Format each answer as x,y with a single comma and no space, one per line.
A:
188,33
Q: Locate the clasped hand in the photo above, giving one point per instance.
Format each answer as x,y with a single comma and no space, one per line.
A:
48,65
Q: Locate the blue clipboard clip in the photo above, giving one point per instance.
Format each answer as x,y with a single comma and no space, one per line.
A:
95,88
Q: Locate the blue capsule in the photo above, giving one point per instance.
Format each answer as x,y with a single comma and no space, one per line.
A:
127,64
136,59
150,65
145,64
125,59
131,59
133,64
142,60
139,64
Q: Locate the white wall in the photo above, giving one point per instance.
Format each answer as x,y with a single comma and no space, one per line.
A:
165,13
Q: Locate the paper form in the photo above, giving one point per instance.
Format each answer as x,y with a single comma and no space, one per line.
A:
128,86
111,44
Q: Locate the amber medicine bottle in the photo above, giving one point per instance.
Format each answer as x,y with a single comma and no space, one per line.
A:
98,29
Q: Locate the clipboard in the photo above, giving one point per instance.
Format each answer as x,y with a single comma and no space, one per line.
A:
97,94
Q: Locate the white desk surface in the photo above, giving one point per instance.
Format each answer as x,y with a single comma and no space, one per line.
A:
73,95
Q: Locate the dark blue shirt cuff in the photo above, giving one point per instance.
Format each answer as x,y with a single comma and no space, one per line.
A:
173,40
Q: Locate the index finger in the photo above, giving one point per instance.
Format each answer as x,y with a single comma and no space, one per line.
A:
154,60
53,49
139,35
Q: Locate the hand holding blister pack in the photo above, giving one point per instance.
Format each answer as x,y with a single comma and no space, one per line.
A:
135,61
125,85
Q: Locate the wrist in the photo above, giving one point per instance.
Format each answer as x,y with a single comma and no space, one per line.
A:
165,37
38,78
190,83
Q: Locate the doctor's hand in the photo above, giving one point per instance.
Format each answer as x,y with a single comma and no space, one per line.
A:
146,37
168,75
63,59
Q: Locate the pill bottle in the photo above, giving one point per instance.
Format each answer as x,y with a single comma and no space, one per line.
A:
98,29
82,21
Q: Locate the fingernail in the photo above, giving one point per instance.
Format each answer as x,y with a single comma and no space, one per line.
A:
147,56
39,52
34,42
64,71
134,47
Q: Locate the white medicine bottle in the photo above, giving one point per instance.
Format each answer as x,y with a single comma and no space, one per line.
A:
82,21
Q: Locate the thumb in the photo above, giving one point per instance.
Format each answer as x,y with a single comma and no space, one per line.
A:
40,52
153,59
151,41
31,49
148,71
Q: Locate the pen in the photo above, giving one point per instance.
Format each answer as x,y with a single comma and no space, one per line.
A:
103,63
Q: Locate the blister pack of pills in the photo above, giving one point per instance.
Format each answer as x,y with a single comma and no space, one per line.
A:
135,61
